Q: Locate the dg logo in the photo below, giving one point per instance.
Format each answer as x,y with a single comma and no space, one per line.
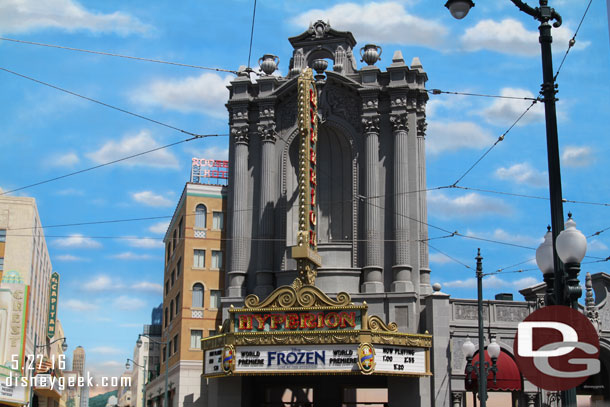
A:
366,358
228,359
557,348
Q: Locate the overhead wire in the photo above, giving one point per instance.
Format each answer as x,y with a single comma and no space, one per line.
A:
116,55
101,103
251,34
439,92
572,41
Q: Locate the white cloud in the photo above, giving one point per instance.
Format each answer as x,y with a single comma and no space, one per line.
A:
159,227
143,242
469,205
79,306
131,256
63,160
149,198
134,144
508,237
523,173
577,156
77,240
439,258
379,22
148,286
504,112
128,303
106,350
452,136
509,36
596,246
205,94
23,16
69,257
493,282
213,152
101,283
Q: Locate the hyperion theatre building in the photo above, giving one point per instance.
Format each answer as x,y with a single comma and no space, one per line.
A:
327,294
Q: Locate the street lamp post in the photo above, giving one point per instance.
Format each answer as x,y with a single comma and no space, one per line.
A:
127,366
482,366
64,347
166,343
544,14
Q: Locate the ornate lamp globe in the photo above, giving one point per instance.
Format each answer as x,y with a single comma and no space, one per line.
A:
468,348
127,365
544,254
459,8
139,342
64,346
571,243
493,349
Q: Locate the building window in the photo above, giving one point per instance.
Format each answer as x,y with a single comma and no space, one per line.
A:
164,353
166,317
173,277
175,240
177,303
212,332
2,235
171,310
196,338
179,267
1,263
214,299
200,215
167,287
198,259
197,296
180,231
216,259
217,220
169,252
175,343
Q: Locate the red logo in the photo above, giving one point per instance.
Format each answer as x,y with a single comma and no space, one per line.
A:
557,348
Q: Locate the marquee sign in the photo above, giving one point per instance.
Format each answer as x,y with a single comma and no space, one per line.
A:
52,318
297,329
305,252
208,171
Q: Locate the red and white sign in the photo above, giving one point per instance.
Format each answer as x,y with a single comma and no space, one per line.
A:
557,348
203,170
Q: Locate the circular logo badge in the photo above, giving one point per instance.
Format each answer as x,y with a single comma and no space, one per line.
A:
557,348
366,358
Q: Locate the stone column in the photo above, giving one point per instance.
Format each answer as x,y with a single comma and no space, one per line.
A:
401,281
373,278
239,229
424,265
268,198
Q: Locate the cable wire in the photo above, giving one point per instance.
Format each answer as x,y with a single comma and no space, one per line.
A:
251,34
99,166
117,55
501,138
438,92
448,256
102,103
572,41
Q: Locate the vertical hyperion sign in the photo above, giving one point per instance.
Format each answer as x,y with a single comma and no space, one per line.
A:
53,292
306,251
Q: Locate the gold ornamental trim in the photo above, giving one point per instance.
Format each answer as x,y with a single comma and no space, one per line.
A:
376,324
411,340
305,296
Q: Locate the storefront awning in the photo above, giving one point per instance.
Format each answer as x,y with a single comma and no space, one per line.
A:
508,377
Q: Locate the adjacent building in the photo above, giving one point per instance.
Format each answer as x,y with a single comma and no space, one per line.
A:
147,358
28,308
192,286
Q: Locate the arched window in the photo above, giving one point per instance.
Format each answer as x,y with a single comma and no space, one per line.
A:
198,296
200,216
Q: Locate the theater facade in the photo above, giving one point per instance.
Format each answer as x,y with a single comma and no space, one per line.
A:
328,299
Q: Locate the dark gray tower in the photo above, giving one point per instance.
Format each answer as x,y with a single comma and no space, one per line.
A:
371,173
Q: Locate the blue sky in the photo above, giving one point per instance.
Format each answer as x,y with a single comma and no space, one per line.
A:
109,283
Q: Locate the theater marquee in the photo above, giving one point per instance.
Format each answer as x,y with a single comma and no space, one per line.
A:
300,330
